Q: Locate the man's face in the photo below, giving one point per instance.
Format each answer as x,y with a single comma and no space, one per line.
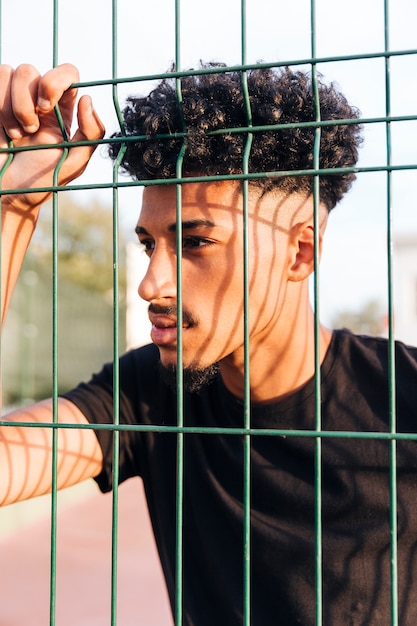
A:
212,269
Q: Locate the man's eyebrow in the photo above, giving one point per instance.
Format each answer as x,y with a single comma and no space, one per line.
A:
190,224
186,225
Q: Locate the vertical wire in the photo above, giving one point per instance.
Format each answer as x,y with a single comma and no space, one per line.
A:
55,433
180,414
2,172
247,413
116,384
116,381
391,343
317,364
179,538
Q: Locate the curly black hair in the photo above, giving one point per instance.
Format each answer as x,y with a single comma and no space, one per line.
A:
215,101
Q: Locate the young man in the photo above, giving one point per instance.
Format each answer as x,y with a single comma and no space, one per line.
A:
354,370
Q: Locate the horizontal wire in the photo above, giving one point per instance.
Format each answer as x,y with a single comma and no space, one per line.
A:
220,131
195,430
243,67
218,177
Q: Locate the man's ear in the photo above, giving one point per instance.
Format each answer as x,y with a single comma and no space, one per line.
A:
301,251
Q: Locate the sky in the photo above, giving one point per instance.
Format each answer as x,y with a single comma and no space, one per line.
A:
353,269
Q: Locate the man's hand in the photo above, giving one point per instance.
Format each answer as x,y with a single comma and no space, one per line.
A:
27,118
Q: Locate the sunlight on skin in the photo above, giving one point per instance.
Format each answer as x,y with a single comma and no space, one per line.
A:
281,243
26,458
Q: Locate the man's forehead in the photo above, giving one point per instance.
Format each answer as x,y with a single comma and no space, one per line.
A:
199,191
200,197
221,200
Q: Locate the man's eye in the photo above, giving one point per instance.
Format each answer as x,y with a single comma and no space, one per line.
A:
195,242
147,245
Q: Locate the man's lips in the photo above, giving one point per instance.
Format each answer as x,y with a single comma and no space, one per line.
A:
164,335
162,321
164,325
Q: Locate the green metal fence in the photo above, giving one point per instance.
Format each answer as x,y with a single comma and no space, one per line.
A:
365,45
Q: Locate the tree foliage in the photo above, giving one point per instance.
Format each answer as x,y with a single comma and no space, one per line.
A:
85,303
85,244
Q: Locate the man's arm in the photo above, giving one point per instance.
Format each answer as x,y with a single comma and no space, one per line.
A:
27,118
26,451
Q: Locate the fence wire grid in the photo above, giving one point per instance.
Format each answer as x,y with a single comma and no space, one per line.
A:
120,48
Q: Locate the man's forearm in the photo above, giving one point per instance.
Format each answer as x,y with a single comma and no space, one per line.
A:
17,230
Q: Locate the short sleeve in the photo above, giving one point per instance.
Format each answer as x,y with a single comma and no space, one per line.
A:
95,399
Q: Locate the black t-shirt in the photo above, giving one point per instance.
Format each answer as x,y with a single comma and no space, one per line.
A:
355,497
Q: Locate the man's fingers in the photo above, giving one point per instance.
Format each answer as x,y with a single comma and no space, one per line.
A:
90,127
27,116
53,88
7,118
26,98
24,95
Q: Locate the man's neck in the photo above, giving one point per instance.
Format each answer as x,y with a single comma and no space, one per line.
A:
277,368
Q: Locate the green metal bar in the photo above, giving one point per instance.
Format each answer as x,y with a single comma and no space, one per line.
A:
261,432
195,179
391,343
317,351
2,172
285,63
246,382
55,339
180,415
55,433
223,131
180,449
116,347
116,406
179,538
247,411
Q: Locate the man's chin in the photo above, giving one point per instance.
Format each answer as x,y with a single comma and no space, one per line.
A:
194,379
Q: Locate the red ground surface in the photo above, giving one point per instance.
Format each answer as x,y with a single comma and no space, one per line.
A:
84,567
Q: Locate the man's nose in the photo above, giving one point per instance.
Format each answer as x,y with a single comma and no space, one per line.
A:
160,278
